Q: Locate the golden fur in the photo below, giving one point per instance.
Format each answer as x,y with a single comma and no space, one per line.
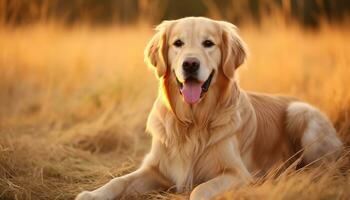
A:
230,135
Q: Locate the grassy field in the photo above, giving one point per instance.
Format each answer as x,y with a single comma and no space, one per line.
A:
74,101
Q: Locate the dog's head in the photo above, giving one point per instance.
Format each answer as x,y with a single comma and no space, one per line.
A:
194,52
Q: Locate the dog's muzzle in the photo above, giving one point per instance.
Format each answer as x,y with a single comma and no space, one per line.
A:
193,90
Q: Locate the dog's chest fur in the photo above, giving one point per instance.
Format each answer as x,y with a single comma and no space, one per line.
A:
180,166
188,164
190,155
200,156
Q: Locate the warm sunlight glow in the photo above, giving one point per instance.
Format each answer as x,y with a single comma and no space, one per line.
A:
75,92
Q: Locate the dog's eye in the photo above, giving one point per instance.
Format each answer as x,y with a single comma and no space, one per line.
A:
208,43
178,43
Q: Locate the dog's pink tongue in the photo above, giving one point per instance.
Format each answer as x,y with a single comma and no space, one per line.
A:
191,91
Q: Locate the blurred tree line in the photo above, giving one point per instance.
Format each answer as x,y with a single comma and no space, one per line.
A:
306,12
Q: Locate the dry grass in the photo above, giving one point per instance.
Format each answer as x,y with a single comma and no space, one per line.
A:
73,105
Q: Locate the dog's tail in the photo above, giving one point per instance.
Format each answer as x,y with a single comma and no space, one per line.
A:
313,132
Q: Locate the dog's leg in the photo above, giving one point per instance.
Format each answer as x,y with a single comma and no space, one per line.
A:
141,181
314,131
216,186
235,174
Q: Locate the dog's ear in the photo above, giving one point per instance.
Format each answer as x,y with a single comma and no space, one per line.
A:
155,54
234,51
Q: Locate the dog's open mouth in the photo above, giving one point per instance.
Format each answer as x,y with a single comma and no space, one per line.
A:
192,90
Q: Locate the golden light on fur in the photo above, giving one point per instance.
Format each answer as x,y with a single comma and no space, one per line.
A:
222,138
77,103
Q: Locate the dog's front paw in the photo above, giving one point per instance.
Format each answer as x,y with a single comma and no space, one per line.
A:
86,195
200,193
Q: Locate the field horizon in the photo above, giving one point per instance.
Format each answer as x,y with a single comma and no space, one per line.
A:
74,103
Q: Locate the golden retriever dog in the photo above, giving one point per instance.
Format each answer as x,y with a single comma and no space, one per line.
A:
208,135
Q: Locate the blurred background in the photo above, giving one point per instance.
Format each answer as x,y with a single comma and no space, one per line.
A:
309,13
75,93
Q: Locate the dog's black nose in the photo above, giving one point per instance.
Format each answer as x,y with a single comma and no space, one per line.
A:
191,65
